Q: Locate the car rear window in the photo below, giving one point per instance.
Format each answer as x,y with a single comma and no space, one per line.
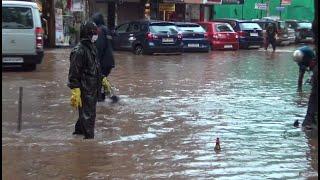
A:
17,18
190,28
305,25
163,28
249,25
223,28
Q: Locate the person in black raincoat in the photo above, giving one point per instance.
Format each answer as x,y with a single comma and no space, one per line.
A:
84,79
271,36
104,47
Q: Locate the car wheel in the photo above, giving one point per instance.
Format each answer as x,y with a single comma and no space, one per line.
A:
138,50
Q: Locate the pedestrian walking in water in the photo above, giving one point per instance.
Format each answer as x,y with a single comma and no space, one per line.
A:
305,57
105,53
85,79
271,36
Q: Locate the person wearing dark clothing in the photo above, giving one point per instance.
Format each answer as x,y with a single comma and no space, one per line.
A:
305,57
270,37
85,79
104,47
311,117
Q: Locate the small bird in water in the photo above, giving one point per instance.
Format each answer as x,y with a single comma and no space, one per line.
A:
296,124
217,147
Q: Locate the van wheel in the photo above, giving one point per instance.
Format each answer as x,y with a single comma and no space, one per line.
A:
30,67
138,50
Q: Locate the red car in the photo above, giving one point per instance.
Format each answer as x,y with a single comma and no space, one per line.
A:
221,35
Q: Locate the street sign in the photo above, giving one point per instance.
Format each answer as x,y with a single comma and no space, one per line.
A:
232,1
280,9
166,7
261,6
285,2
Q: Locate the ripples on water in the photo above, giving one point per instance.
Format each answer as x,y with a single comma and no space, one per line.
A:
171,111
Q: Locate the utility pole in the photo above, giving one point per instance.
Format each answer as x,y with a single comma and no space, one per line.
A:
51,22
280,9
268,4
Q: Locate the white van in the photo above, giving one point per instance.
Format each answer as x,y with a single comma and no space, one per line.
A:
22,34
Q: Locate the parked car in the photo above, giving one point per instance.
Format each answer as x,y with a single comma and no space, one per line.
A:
22,34
194,37
147,37
284,35
250,33
221,35
302,29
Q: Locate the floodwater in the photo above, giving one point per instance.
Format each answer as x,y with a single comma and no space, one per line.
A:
171,110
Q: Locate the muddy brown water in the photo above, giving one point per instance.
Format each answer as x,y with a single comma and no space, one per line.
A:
171,110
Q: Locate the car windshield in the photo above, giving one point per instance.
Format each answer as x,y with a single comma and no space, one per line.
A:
17,18
248,25
291,25
282,25
305,25
163,28
223,28
191,28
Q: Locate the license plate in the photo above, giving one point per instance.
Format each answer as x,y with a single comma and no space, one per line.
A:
227,46
309,38
12,59
253,34
193,45
167,40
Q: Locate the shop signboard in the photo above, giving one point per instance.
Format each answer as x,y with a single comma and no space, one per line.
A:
261,6
213,2
194,1
166,7
285,2
59,27
173,1
77,6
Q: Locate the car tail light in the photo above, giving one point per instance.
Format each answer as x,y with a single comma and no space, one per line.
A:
242,34
215,36
179,36
149,36
39,38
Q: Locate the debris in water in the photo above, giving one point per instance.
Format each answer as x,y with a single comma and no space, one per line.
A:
296,124
217,147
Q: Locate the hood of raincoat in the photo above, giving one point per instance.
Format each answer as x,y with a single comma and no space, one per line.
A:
98,19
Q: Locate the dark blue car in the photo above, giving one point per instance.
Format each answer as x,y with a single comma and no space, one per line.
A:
194,37
250,33
147,37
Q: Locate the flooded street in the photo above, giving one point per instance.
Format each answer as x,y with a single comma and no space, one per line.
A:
171,110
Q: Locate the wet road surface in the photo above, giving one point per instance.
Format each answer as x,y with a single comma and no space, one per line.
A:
172,109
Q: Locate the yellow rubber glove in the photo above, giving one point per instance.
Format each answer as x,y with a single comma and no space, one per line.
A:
106,85
76,98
